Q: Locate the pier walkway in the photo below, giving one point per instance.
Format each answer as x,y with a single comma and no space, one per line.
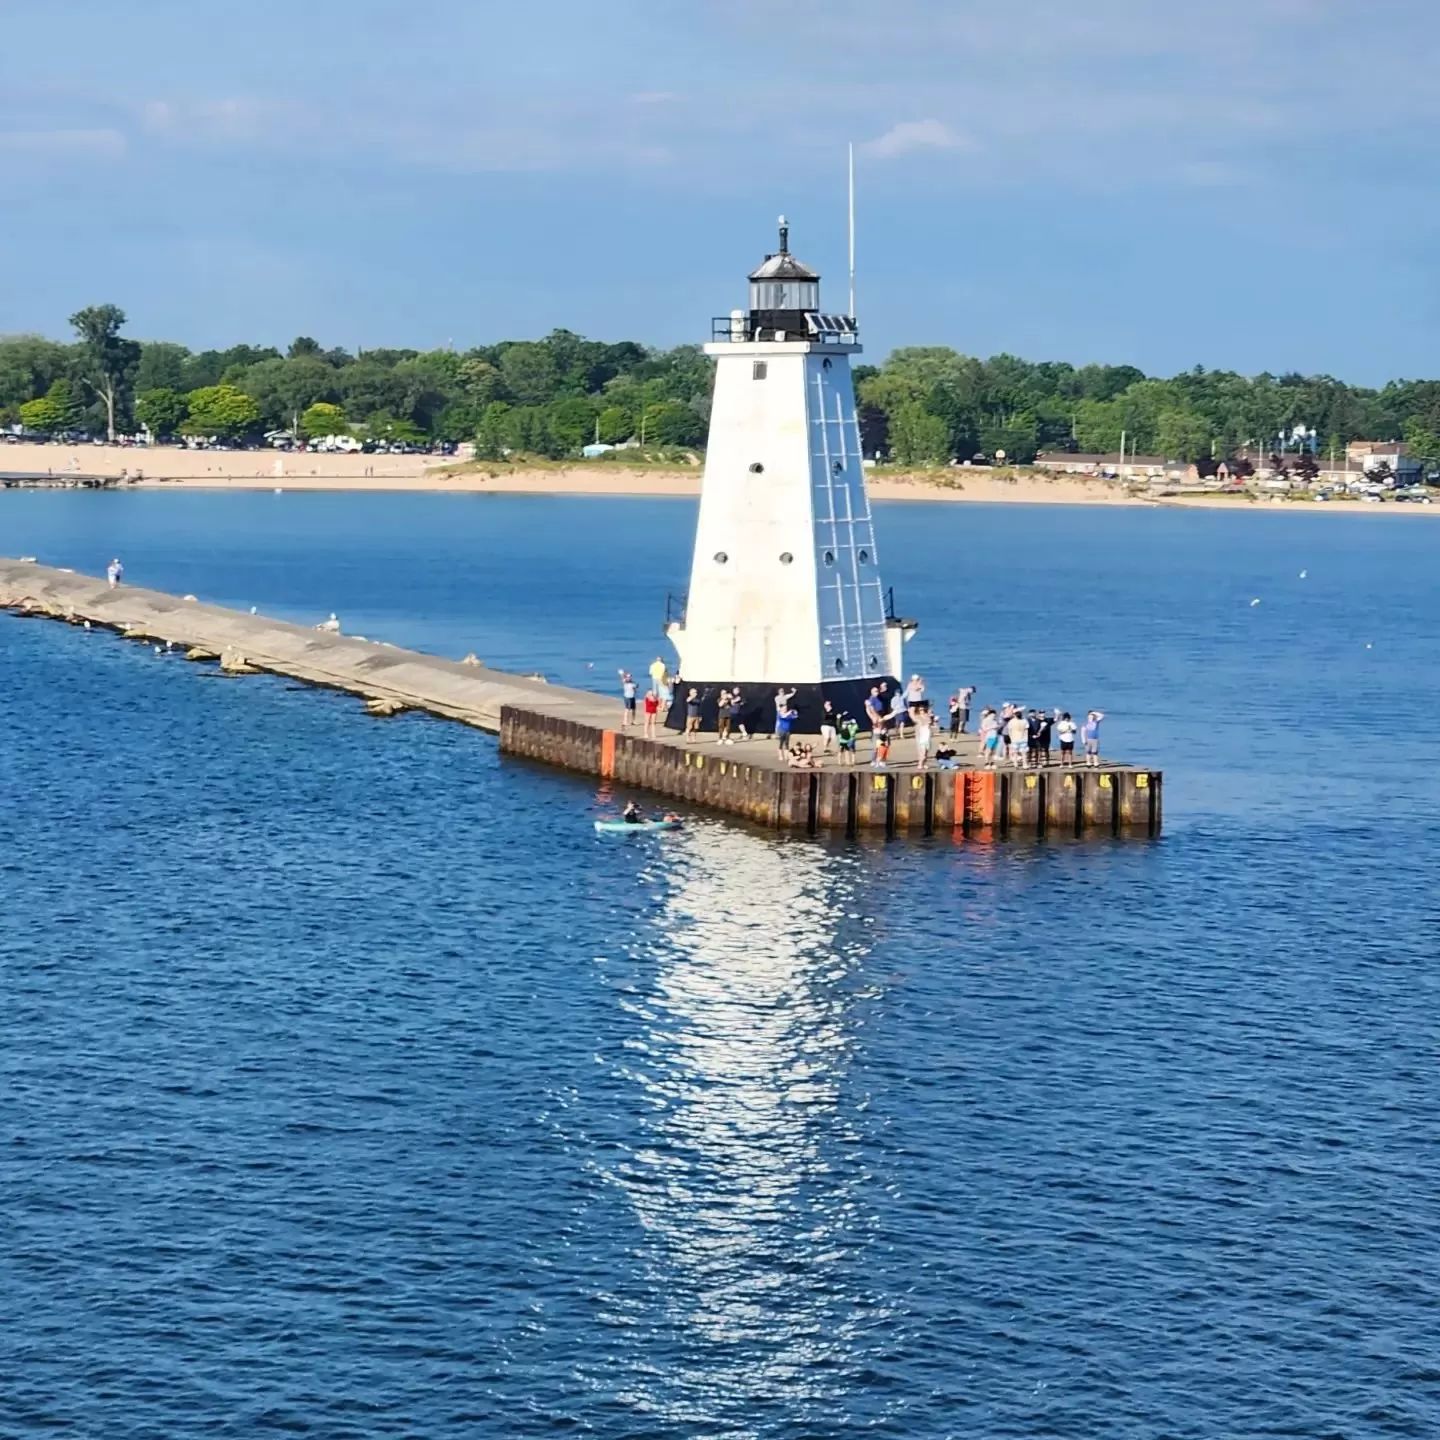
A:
581,731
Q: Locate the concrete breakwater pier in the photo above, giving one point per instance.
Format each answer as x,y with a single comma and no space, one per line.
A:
581,731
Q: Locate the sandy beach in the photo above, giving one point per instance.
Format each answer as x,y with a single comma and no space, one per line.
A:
175,468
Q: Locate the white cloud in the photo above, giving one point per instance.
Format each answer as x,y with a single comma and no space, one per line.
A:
62,142
912,135
227,118
1211,174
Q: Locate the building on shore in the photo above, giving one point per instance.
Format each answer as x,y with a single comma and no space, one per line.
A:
1114,466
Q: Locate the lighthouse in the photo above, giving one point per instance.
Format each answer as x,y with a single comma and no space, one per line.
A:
785,584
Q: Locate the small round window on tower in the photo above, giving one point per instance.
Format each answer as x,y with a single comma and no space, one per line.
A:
757,468
829,557
873,662
786,557
721,557
839,467
863,557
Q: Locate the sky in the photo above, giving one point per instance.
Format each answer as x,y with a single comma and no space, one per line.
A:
1239,184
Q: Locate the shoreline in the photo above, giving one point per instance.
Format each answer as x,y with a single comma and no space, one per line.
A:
166,468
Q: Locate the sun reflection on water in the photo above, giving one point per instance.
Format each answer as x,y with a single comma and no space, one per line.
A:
749,1182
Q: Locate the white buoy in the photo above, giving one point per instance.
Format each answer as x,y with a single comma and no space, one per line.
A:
87,624
1304,573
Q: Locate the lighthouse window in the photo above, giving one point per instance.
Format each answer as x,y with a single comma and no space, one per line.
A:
839,467
826,362
863,557
829,557
759,369
721,557
873,662
786,557
757,468
839,662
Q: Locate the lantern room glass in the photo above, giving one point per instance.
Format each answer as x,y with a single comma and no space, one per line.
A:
784,295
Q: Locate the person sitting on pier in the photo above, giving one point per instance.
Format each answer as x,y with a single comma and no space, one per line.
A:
802,757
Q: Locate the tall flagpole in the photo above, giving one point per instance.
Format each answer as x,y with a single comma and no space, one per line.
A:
852,229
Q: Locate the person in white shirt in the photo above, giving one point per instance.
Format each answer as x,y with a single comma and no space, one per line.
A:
1065,729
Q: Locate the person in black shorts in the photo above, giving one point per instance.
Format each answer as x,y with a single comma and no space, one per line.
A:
1042,738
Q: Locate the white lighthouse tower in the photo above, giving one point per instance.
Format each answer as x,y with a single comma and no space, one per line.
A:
785,587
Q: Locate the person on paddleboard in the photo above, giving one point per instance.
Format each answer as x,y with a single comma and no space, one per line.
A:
631,814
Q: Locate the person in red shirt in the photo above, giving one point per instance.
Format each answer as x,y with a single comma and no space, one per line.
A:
652,709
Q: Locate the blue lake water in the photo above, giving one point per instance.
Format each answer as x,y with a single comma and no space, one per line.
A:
353,1087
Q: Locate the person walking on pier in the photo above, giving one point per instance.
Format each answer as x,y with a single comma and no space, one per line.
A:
965,694
628,690
924,733
915,694
114,572
849,730
1017,732
1042,738
827,727
784,724
1032,738
1090,734
1066,729
782,704
657,675
875,712
737,715
652,709
722,719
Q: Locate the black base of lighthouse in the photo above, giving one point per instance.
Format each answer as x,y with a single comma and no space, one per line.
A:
847,696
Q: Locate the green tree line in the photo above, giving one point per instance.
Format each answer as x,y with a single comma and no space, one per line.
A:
924,405
930,405
542,397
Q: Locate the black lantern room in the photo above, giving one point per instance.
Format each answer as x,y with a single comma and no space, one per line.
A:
782,293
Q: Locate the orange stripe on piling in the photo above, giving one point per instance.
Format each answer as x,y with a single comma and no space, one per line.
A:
607,754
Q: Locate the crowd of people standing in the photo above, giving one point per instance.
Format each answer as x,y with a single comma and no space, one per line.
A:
1010,734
